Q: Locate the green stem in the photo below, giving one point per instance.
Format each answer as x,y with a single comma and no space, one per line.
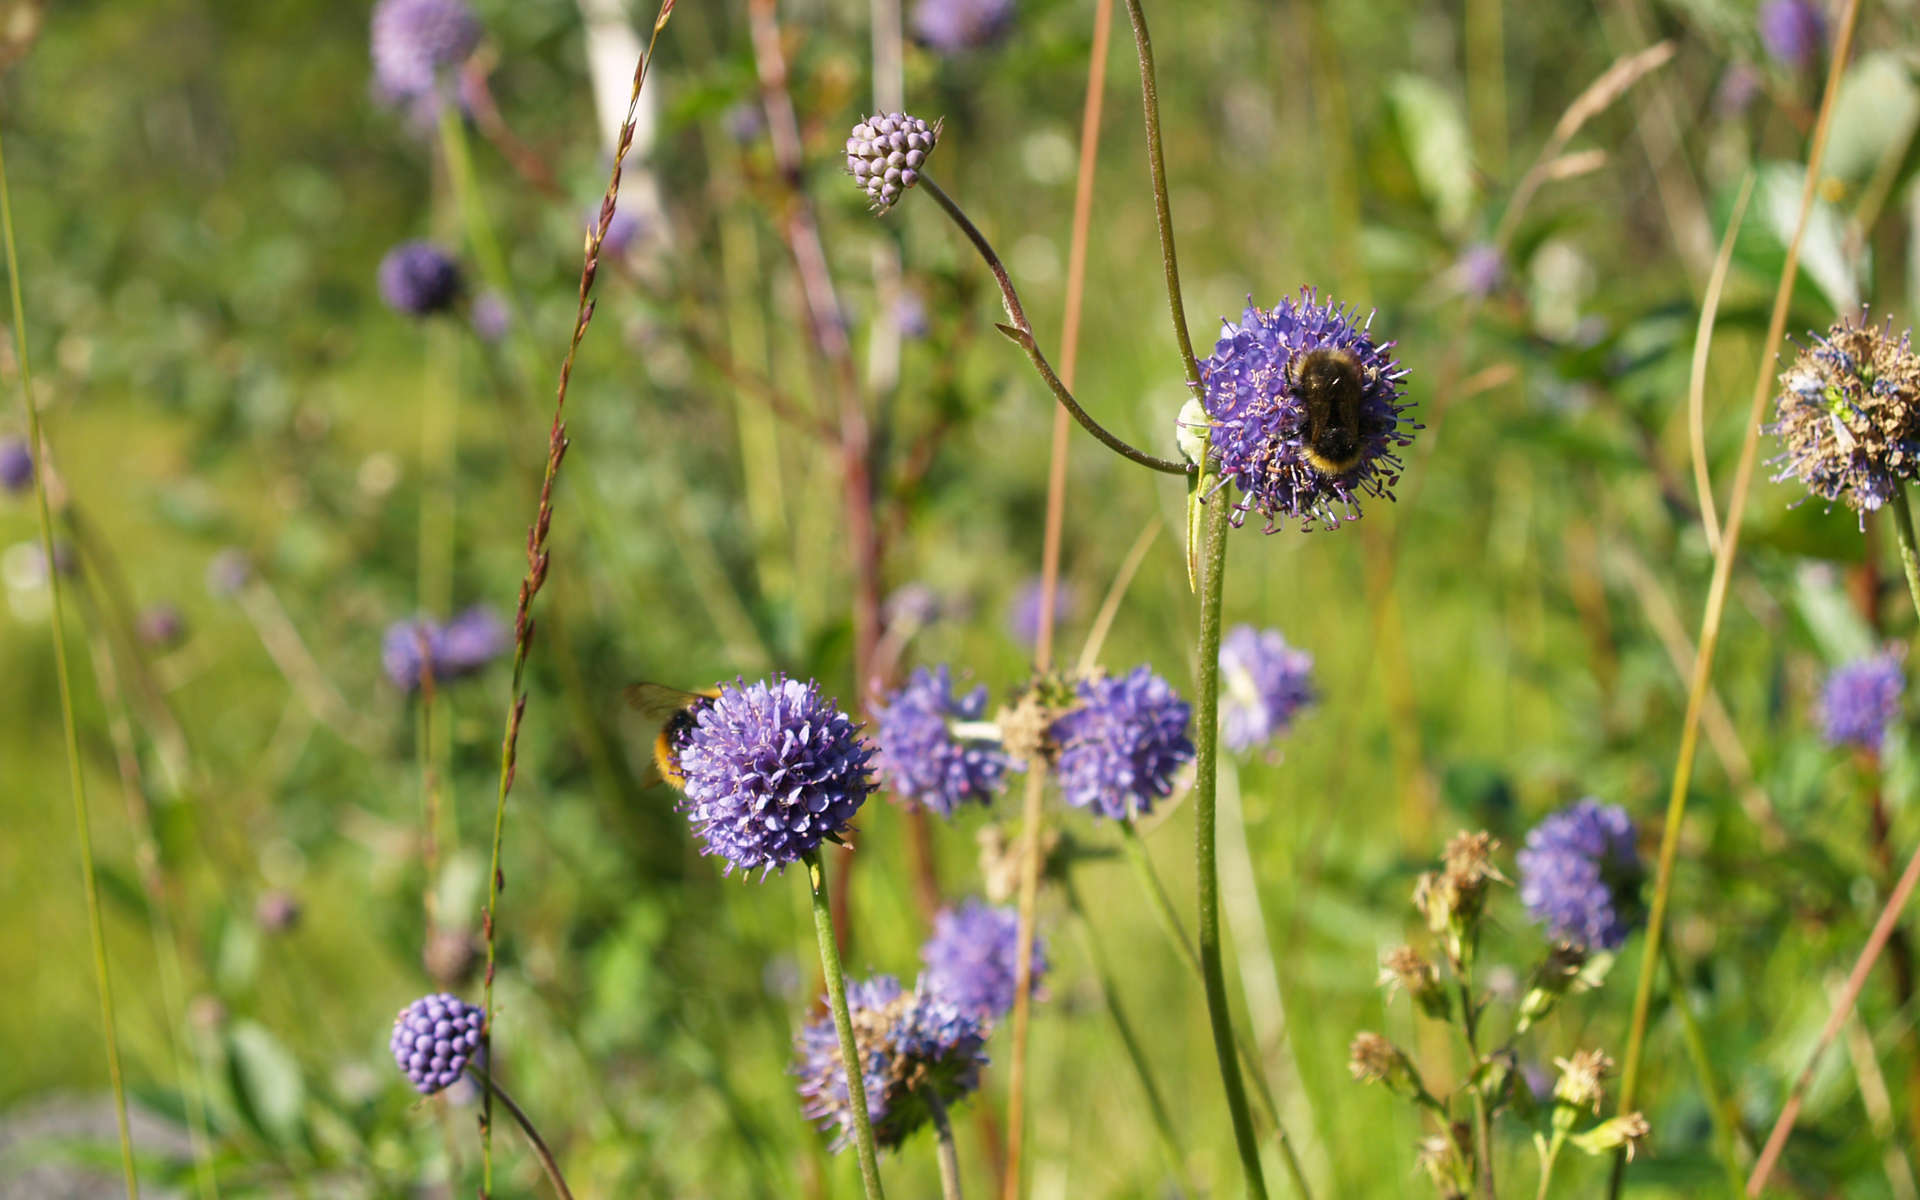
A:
943,1148
1163,214
1725,1132
1547,1162
843,1025
96,930
1470,1034
1206,750
1909,551
1129,1040
540,1150
1021,332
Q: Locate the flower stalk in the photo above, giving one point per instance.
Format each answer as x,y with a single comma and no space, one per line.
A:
843,1026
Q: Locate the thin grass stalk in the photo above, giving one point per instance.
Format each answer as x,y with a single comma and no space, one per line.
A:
537,561
1032,812
77,784
1697,376
850,1059
1169,1140
943,1147
1717,596
1878,1102
1726,1130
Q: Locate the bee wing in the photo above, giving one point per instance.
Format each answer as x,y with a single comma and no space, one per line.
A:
657,701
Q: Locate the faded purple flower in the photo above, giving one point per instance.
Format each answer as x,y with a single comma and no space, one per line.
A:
1023,611
490,316
973,958
228,572
953,26
1119,749
1306,413
418,279
1849,416
1263,683
912,606
1793,31
772,768
1861,700
746,121
1735,92
434,1039
277,911
16,465
909,1043
921,758
623,231
416,44
910,315
1580,875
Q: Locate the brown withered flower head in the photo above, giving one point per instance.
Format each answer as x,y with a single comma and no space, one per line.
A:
1849,415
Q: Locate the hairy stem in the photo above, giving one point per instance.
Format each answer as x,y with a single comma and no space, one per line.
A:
540,1151
843,1025
1163,214
943,1148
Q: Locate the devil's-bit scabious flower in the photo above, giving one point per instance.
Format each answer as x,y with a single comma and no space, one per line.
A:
954,26
416,44
885,153
973,958
1119,749
1263,683
490,316
909,1043
1849,416
1305,411
418,279
921,759
1860,700
459,648
622,231
1792,30
1580,875
16,465
434,1039
773,768
1023,610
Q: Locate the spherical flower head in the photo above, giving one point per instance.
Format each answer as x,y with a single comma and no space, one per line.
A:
623,231
16,466
1023,611
954,26
1305,413
490,317
973,958
1580,875
414,42
434,1039
1263,683
1792,30
773,768
1119,749
1860,700
910,1043
407,649
885,153
418,278
921,759
1849,416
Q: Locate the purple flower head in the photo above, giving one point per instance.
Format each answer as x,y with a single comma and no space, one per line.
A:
1481,269
1120,748
415,43
909,1043
228,572
912,606
1580,875
418,278
973,958
160,625
434,1039
910,315
772,768
953,26
1860,700
921,759
1849,415
16,465
623,232
1023,611
277,911
461,647
746,121
1263,683
1288,430
490,316
1792,30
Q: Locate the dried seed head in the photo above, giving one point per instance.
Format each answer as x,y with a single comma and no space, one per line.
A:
1580,1079
1405,967
885,154
1373,1059
1849,416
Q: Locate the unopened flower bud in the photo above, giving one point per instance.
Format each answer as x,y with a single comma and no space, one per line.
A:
885,154
1405,967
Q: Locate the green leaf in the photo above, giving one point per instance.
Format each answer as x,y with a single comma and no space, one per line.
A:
267,1083
1872,116
1433,126
1841,277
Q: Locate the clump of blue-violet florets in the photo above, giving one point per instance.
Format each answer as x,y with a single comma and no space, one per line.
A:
1580,875
1304,413
973,958
922,757
1117,750
1263,683
434,1039
1861,700
419,279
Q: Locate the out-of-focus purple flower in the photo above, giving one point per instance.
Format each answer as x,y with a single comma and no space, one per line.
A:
1119,749
773,768
1481,269
973,958
909,1043
623,232
452,651
415,44
954,26
1793,31
277,911
1849,415
418,279
490,316
1580,875
1861,700
910,315
912,605
746,121
434,1039
1263,683
1735,92
1306,413
920,757
884,155
228,572
16,465
161,625
1023,611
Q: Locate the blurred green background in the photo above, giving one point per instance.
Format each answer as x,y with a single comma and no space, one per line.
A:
202,193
